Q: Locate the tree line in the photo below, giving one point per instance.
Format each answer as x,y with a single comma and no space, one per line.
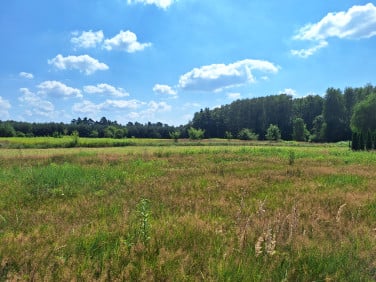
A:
87,127
311,118
339,115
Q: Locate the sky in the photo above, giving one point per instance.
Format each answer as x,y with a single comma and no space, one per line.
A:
164,60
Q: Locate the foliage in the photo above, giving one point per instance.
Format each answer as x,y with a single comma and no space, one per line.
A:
318,129
175,135
228,135
334,115
195,134
327,118
273,133
364,116
247,134
6,130
300,132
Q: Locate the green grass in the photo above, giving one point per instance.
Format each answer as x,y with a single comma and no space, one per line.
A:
189,212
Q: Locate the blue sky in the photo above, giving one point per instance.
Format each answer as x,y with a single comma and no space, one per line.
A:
163,60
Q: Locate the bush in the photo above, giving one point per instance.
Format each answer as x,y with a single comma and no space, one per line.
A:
273,133
175,135
7,130
247,134
228,135
195,134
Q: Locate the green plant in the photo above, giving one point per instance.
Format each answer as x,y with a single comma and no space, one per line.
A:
228,135
247,134
175,135
144,218
140,225
195,134
291,157
273,133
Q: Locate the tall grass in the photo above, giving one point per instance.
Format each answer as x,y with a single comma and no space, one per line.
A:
187,213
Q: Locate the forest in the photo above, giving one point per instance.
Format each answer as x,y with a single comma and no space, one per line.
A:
337,116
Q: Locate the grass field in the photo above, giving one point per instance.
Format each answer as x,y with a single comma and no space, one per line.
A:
188,213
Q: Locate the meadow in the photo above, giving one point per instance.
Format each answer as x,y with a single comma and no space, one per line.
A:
187,212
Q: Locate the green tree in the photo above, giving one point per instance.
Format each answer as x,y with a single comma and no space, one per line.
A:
195,134
334,115
247,134
7,130
355,146
228,135
318,129
273,133
364,116
175,135
369,141
300,132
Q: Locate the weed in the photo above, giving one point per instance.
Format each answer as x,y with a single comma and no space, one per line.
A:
186,212
291,157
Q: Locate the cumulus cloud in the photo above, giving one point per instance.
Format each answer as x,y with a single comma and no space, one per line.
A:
83,63
289,91
305,53
217,77
104,88
151,109
4,108
358,22
164,89
26,75
125,41
87,39
88,107
234,96
35,104
137,109
58,89
164,4
120,104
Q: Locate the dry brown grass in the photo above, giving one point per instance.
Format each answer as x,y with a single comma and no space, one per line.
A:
243,213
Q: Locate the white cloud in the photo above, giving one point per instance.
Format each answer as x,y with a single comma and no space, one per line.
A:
164,4
35,104
191,105
216,77
305,53
125,41
26,75
152,108
120,104
58,89
88,107
289,91
356,23
234,96
87,39
158,107
104,88
164,89
83,63
4,108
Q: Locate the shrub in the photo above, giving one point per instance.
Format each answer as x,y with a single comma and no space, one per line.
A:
175,135
195,134
247,134
273,133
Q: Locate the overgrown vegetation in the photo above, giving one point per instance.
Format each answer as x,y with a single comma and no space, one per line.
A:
331,118
186,213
